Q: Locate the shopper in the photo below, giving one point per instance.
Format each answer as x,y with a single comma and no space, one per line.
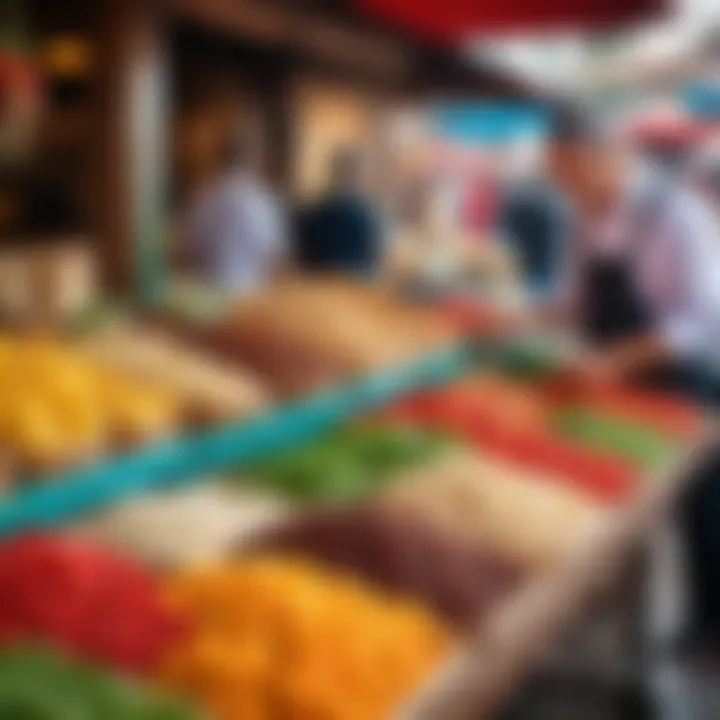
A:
236,227
533,223
643,288
642,281
341,231
705,175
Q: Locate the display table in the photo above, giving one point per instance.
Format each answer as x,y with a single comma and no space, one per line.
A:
189,457
477,681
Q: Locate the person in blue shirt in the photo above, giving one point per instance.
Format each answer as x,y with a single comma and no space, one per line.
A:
340,232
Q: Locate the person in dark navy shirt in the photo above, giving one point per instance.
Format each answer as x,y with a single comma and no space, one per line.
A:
533,223
341,231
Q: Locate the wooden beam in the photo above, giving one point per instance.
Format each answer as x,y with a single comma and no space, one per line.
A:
132,141
295,29
345,46
247,18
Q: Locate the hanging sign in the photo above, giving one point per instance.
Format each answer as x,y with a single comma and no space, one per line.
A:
488,123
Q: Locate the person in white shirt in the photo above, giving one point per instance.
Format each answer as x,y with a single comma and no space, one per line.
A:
642,286
704,174
236,225
642,281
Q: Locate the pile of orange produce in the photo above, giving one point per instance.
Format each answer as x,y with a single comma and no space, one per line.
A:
277,636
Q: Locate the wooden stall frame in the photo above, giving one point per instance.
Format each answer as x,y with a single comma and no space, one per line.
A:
476,681
134,68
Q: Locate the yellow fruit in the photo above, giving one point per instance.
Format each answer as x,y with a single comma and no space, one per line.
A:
30,427
136,410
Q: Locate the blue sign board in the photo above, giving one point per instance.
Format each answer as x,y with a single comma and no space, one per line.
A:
488,123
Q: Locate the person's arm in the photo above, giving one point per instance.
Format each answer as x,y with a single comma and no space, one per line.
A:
623,362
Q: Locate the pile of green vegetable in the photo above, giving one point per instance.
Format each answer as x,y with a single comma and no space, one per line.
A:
637,444
41,684
348,464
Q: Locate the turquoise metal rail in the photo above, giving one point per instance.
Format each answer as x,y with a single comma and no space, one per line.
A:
58,499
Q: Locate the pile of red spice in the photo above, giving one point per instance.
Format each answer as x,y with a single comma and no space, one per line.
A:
85,599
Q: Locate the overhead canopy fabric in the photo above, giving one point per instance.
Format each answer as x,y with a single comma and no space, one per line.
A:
452,20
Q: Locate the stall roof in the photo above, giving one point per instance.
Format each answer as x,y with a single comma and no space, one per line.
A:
337,32
454,20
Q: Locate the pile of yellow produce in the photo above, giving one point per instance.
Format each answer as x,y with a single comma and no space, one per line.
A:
533,519
57,406
281,637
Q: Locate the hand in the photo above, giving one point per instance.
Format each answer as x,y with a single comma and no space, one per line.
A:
597,370
503,324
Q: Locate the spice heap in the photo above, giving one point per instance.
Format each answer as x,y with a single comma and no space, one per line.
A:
59,407
640,446
186,524
42,684
519,424
307,334
209,389
526,517
404,553
476,404
83,598
280,637
349,464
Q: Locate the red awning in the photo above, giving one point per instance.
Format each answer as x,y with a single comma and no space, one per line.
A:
452,20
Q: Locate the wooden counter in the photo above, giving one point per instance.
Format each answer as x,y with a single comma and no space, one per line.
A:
481,676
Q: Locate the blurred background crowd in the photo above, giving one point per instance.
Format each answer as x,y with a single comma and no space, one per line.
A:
123,127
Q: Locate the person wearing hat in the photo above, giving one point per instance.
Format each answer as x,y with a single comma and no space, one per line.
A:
642,288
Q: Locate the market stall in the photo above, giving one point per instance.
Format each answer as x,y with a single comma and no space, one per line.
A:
318,498
282,58
490,502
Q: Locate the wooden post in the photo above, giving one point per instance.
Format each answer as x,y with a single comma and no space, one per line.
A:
280,128
132,143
